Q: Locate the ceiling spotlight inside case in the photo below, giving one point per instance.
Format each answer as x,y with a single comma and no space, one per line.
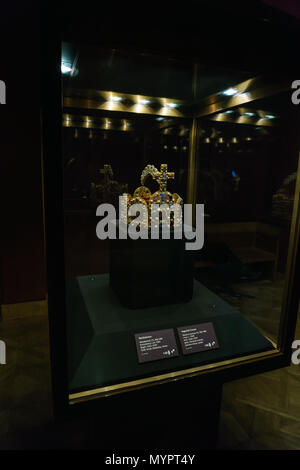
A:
172,105
66,67
144,101
230,92
115,99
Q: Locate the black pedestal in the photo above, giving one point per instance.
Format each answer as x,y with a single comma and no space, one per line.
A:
101,343
148,273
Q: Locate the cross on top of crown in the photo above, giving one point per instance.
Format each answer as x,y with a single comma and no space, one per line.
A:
163,176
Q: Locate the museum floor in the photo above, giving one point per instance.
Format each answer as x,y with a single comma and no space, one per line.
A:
261,412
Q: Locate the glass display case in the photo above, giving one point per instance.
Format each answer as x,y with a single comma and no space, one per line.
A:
129,311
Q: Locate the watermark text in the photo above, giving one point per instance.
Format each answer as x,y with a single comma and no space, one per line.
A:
296,94
138,222
2,352
296,354
2,92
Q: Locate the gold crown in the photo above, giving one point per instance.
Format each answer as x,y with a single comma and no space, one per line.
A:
162,197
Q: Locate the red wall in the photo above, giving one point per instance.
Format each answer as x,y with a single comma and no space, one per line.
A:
22,260
292,7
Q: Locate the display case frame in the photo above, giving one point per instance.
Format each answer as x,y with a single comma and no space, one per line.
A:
212,375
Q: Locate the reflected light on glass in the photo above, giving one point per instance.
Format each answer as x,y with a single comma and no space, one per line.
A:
66,67
230,92
172,105
115,99
144,101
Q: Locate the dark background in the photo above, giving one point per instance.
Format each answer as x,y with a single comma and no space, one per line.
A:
22,260
22,248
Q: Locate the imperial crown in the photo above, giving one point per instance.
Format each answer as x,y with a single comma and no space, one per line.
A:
171,203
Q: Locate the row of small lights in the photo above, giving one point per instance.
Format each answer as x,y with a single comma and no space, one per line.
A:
142,102
233,140
250,114
68,120
126,124
207,140
66,68
107,123
233,92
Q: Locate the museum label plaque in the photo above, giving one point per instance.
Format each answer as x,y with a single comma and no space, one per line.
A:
196,338
155,345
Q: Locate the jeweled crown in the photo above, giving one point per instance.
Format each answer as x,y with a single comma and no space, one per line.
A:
162,197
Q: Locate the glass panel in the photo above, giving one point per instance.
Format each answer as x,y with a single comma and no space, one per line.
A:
247,170
103,161
124,111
